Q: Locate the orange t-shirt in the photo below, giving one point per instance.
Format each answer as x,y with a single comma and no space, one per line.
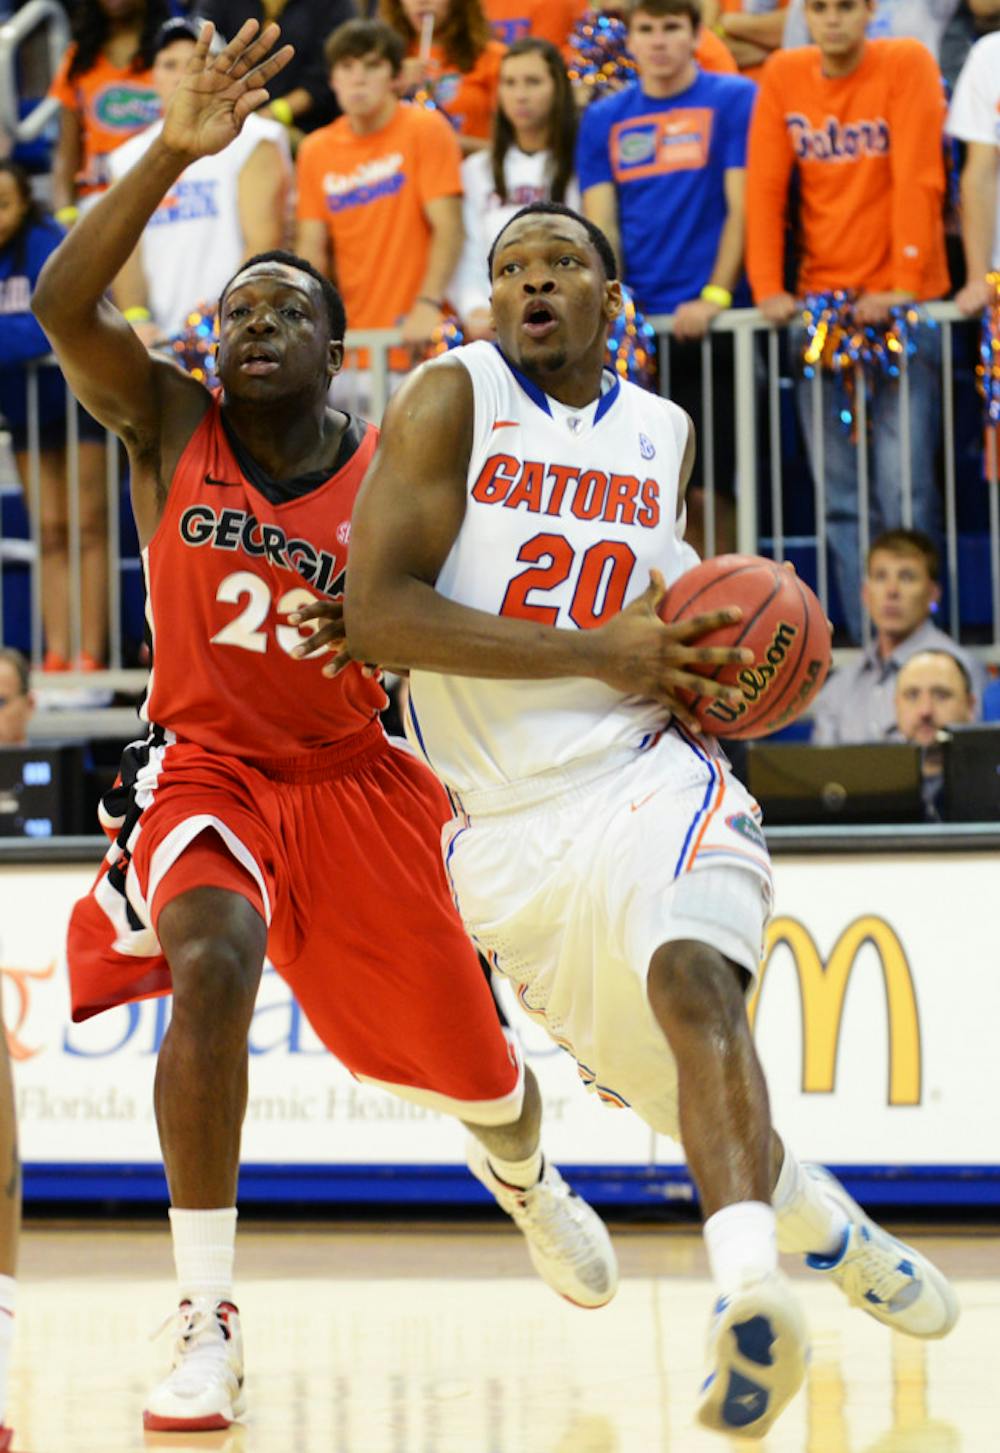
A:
549,19
468,97
868,152
371,192
712,54
113,103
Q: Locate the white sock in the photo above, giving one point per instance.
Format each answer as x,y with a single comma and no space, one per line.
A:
808,1220
204,1246
521,1173
8,1296
742,1245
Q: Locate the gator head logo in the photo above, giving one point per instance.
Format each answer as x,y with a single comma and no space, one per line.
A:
637,146
446,87
745,825
126,108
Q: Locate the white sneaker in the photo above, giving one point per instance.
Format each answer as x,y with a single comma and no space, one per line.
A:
883,1276
567,1240
757,1350
204,1389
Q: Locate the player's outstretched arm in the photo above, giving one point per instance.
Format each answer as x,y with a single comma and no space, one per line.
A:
106,366
407,517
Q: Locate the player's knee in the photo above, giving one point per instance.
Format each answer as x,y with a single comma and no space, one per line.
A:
93,529
694,989
214,984
54,537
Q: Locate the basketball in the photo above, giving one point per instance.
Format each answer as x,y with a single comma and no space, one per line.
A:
783,624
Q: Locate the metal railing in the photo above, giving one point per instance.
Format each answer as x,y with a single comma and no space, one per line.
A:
13,34
758,385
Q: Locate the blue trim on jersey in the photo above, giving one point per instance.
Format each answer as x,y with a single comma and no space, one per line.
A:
704,806
606,400
411,712
541,398
447,862
536,394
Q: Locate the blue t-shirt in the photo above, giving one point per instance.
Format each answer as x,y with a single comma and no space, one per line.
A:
667,160
21,337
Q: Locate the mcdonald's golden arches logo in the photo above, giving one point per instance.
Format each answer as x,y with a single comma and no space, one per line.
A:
823,988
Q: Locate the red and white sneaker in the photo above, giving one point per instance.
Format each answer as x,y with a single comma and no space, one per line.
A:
204,1389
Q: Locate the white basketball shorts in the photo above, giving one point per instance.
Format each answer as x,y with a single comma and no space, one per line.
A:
570,880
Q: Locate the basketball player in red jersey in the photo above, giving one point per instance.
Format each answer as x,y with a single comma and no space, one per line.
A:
267,812
603,856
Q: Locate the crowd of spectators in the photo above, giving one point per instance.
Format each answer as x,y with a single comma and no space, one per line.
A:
901,590
761,153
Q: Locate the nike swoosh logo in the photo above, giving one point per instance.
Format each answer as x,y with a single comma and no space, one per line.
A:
226,483
642,803
505,424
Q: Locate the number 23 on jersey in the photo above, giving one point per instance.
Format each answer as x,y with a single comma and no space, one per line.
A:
248,629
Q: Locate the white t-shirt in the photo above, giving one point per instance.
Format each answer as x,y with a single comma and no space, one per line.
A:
193,242
483,214
975,108
924,20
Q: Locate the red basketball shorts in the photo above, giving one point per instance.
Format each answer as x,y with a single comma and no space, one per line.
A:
339,851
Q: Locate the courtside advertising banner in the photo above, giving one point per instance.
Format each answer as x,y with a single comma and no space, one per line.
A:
876,1019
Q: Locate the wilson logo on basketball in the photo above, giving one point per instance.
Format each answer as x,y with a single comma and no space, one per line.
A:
781,624
755,681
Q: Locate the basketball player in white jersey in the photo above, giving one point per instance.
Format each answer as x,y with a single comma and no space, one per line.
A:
509,548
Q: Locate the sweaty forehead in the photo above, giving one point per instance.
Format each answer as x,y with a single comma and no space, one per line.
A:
272,277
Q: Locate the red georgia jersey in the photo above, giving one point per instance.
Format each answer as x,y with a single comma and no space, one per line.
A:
224,569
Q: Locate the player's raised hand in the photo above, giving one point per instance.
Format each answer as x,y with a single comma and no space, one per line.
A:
218,93
640,654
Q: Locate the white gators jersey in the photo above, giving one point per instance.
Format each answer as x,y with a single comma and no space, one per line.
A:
563,521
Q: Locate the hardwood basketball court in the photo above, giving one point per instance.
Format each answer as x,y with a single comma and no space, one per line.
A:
438,1339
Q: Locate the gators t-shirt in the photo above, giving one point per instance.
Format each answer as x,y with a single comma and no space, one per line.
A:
667,160
113,103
